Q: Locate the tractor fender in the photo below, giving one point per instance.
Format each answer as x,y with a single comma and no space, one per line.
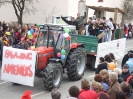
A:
75,45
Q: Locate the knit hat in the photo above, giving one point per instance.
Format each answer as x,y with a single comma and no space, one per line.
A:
125,66
7,33
130,52
26,95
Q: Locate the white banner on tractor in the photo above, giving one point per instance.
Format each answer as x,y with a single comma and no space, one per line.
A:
117,47
18,66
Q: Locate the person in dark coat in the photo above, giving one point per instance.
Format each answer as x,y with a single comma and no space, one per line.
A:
5,27
92,29
125,73
1,31
126,57
101,66
1,48
108,58
124,86
120,95
72,22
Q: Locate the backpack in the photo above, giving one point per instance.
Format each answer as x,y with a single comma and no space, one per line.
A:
130,81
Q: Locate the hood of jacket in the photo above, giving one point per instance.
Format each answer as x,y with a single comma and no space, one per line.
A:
103,64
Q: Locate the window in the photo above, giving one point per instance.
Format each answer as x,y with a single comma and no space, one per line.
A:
43,39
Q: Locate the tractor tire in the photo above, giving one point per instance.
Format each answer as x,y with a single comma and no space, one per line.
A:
93,63
76,63
52,75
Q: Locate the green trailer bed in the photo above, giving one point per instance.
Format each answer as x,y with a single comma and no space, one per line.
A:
90,43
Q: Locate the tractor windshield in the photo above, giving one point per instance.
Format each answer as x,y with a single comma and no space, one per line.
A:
43,38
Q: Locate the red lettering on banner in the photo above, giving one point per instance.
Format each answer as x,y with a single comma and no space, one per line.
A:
22,70
12,55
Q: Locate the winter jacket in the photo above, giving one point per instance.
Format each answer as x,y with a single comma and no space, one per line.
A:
120,79
130,95
17,37
113,89
26,45
10,41
103,94
125,59
1,49
4,27
125,75
71,23
12,35
1,33
130,27
81,20
88,94
92,30
101,26
101,66
109,24
105,86
130,64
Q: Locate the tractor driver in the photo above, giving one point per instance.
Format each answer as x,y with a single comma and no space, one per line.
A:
41,38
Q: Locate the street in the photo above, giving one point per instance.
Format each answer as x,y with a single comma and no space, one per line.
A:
10,91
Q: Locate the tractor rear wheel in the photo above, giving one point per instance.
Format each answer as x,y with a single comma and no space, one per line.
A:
52,75
76,63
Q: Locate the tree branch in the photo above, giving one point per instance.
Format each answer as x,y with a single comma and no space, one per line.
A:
16,12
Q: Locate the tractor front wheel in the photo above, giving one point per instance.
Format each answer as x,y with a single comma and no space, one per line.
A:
52,75
75,64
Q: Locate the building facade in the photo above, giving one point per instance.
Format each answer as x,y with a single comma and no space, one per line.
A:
48,8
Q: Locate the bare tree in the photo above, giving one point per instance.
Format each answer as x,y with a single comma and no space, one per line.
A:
127,6
20,7
47,16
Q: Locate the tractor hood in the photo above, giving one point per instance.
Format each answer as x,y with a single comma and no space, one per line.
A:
44,49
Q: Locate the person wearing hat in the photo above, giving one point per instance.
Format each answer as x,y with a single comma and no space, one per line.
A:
5,38
26,95
126,57
125,72
92,28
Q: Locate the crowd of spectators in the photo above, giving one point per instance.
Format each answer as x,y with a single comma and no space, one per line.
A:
107,84
16,37
103,28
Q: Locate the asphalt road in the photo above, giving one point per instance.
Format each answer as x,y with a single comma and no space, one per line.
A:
10,91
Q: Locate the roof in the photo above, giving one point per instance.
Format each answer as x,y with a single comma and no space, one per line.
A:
100,8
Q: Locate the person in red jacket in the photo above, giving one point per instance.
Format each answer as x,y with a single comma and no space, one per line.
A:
86,93
18,36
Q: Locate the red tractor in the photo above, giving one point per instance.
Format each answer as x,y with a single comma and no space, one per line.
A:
49,66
